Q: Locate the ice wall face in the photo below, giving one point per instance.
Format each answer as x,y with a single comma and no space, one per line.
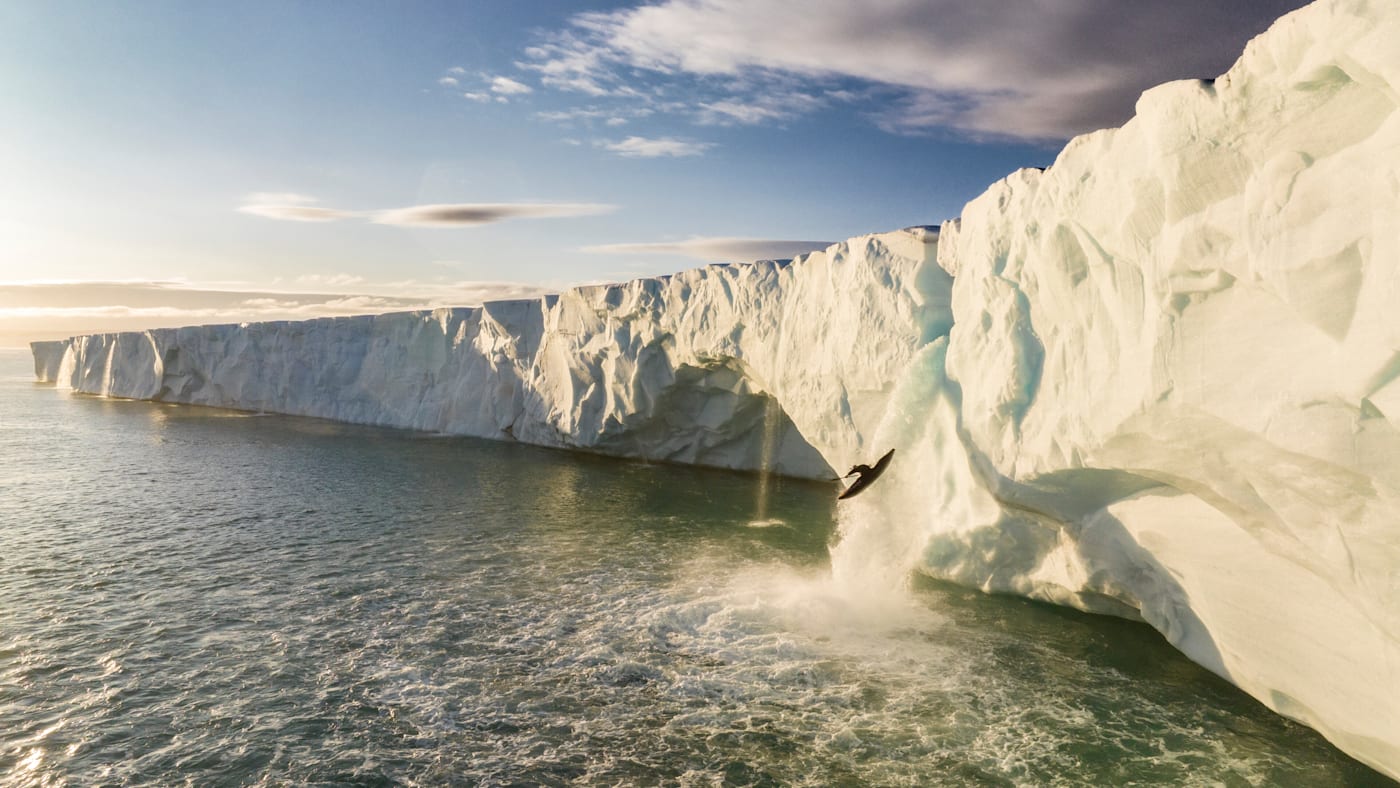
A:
48,359
774,366
1174,378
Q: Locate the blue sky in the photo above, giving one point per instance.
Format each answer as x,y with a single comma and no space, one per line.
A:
169,163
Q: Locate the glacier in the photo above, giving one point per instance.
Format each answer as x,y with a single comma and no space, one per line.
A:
1159,379
715,366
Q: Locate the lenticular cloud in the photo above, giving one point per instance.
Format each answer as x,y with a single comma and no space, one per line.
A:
299,208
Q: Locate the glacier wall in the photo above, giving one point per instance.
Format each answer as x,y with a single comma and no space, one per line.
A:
1172,388
722,366
1160,379
48,359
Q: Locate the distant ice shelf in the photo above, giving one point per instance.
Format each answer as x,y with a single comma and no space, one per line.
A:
1160,379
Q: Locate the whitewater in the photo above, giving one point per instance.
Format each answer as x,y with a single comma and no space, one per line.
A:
1157,379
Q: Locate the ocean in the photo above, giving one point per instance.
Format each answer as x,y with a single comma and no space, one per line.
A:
201,597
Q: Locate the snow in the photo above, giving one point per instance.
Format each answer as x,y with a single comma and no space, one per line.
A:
1160,379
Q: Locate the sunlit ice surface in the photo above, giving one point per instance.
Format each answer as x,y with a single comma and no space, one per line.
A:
202,596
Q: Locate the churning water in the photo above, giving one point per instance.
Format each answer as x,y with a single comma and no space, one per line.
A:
190,596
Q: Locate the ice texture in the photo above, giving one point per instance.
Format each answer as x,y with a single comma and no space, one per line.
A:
1160,379
1174,373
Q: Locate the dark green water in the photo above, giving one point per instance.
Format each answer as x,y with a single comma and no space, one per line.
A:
197,597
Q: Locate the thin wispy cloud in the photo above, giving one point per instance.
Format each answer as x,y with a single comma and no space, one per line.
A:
291,208
1031,70
252,309
300,208
759,109
509,87
651,148
570,63
575,114
329,280
303,289
593,116
484,87
716,249
52,310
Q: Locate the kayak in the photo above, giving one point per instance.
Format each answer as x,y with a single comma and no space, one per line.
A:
868,475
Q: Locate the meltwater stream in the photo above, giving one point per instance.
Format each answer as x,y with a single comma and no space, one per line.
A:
200,597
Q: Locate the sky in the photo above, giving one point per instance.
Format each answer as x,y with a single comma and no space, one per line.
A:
174,163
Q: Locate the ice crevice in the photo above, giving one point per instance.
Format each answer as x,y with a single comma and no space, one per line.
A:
1156,379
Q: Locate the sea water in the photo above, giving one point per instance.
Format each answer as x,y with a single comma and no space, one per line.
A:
201,597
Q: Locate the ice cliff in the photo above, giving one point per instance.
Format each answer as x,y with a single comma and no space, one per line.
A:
1160,379
738,366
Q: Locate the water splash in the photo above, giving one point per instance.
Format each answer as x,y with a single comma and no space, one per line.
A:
883,533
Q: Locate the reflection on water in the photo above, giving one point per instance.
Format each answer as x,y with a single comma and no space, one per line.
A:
196,596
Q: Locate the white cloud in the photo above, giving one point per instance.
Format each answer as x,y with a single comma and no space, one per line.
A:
499,89
716,249
734,111
506,86
1028,70
647,148
589,115
570,115
759,109
571,64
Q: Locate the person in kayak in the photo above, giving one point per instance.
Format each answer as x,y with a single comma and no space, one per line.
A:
865,476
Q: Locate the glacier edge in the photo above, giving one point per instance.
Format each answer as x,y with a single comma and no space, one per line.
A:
712,366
